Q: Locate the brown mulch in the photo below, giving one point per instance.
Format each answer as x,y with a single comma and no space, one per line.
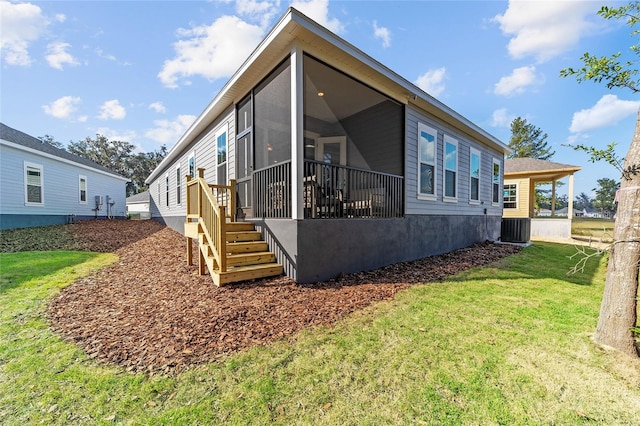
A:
151,312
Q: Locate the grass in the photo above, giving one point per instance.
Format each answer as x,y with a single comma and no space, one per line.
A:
597,228
507,344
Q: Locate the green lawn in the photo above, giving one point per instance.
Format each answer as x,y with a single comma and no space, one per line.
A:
597,228
508,344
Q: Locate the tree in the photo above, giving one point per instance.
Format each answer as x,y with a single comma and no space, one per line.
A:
141,166
113,155
605,196
528,141
618,315
583,201
50,140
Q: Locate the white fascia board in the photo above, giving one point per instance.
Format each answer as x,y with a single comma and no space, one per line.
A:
60,159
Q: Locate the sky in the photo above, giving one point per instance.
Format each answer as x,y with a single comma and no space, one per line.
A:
142,71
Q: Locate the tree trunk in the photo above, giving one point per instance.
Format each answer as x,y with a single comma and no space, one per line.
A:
618,312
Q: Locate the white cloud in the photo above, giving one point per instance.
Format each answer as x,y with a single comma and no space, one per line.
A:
112,110
545,29
158,107
22,23
58,55
432,81
501,118
168,132
260,11
60,17
318,10
382,33
517,82
117,135
211,51
606,112
63,107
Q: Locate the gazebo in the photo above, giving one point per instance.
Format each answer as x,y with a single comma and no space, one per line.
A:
520,178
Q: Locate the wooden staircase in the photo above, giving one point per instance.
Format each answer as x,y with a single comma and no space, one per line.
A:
231,251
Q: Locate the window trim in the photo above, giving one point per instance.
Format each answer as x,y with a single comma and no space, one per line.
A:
223,130
191,170
178,186
448,140
423,195
40,168
517,188
494,184
166,179
86,189
477,152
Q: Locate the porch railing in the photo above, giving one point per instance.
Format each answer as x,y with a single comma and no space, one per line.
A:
205,204
329,191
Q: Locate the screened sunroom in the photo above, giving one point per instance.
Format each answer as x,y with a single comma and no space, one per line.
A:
351,147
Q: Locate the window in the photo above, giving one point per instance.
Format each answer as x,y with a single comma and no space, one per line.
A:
167,188
510,196
427,140
474,175
33,175
178,187
450,167
82,187
192,165
496,182
221,141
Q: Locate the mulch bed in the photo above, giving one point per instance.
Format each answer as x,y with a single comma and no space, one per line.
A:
151,312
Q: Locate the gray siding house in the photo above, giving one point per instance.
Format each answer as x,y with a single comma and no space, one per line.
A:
43,185
341,164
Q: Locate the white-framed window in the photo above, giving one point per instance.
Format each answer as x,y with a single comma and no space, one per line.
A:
510,196
166,180
427,168
82,189
495,182
450,161
178,186
33,184
474,175
221,144
191,163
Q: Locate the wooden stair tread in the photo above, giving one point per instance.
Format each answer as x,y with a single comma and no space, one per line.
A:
249,272
238,236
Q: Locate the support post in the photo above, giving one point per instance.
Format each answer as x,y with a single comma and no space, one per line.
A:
570,210
297,133
232,202
553,198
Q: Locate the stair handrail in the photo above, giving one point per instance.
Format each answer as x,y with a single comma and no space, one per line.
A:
212,216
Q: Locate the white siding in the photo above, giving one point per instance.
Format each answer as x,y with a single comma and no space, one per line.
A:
415,205
206,157
60,189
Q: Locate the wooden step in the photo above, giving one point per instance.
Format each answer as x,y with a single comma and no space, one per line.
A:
239,226
244,259
252,272
247,247
236,236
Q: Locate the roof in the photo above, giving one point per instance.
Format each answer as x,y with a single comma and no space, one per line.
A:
17,137
293,27
537,169
142,197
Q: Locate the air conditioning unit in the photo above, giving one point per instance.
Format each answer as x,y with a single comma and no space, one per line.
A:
99,200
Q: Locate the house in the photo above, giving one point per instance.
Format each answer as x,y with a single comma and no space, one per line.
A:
43,185
138,206
340,164
520,177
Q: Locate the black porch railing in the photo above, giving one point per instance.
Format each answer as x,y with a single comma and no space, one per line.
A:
329,191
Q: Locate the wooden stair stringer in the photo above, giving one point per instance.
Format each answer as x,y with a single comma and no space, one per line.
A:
248,256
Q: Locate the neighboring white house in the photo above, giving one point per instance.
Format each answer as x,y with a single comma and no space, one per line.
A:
43,185
341,164
138,206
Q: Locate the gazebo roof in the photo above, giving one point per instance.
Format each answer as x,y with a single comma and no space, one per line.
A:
537,170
